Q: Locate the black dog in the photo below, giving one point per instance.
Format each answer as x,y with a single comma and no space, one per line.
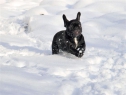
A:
70,40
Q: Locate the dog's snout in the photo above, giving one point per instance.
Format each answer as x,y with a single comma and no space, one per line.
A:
76,32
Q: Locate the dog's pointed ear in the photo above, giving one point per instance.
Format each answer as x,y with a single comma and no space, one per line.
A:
78,16
65,20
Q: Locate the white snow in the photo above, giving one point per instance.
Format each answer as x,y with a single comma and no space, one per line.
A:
27,66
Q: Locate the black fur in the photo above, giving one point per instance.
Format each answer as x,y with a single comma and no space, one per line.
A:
70,40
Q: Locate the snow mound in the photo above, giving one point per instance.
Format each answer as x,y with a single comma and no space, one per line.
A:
27,66
36,11
101,6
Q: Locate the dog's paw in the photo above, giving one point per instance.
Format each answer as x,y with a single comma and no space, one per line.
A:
80,55
55,51
79,52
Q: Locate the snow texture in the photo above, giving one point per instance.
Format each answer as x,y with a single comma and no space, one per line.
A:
27,66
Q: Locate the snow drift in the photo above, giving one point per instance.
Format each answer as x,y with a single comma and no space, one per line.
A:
27,66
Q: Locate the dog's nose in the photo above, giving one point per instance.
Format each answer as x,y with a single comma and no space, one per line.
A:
76,32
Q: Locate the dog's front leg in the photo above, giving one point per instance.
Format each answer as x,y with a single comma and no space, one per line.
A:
71,49
55,49
81,48
79,51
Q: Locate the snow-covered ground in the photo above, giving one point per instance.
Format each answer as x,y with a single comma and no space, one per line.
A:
27,66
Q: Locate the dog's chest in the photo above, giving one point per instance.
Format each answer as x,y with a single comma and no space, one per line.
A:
76,42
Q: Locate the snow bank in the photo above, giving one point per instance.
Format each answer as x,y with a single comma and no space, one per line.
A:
2,1
26,32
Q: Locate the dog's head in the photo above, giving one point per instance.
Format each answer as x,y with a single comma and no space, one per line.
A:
73,27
